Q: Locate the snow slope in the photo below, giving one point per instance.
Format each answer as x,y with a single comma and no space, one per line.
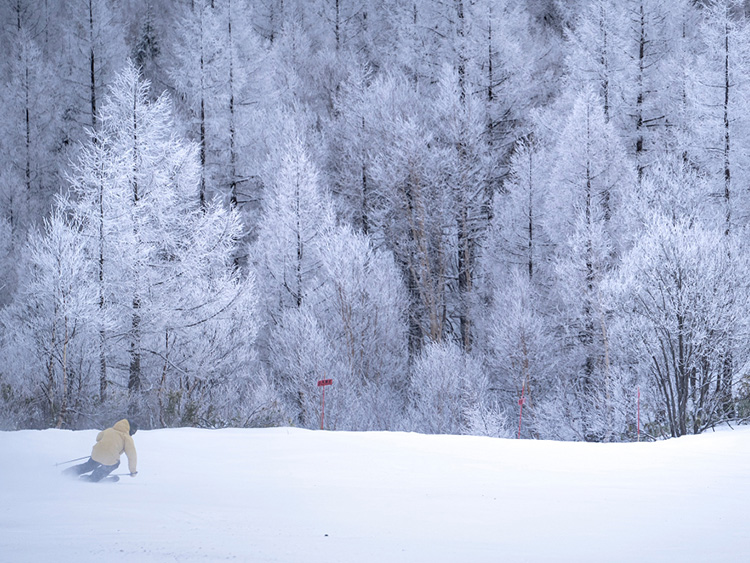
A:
289,495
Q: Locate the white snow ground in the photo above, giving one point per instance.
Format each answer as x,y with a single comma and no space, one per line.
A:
289,495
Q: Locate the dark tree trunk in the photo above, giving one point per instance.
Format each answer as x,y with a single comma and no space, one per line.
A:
232,140
134,380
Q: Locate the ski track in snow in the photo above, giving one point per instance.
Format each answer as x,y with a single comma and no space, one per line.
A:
290,495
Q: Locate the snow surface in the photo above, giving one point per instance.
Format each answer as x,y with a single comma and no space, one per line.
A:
290,495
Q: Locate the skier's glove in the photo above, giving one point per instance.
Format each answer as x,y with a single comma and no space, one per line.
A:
134,473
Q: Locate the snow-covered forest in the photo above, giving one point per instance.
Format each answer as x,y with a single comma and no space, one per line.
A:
451,208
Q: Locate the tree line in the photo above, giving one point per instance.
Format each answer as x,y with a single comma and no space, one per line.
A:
206,206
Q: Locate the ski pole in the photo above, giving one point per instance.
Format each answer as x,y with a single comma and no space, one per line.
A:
72,460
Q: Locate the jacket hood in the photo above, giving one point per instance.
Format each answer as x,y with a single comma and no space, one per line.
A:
122,426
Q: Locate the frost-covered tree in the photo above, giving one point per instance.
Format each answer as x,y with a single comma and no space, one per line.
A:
244,99
590,180
194,76
297,214
678,298
412,211
148,31
28,129
351,147
336,307
164,263
723,102
296,219
48,327
595,54
7,267
523,355
722,95
299,355
517,234
449,393
362,311
632,54
91,182
460,126
269,18
513,69
94,52
219,73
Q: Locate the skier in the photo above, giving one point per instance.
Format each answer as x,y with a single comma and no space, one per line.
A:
105,455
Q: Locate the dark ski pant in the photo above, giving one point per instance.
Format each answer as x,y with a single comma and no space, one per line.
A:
98,470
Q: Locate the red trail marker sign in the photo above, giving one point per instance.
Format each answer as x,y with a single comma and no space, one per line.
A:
323,383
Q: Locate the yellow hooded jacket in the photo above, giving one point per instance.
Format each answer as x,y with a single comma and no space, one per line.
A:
112,443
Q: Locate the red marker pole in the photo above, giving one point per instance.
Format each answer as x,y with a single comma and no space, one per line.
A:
323,383
521,401
323,409
639,414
